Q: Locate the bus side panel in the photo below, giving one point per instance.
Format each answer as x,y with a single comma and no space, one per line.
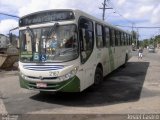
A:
105,61
88,70
120,55
129,52
112,59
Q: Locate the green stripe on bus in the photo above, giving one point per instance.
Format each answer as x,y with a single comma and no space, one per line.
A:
111,59
71,85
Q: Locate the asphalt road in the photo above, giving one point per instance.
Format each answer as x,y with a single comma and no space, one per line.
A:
134,89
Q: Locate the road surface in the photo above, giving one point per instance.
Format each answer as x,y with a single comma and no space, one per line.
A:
134,89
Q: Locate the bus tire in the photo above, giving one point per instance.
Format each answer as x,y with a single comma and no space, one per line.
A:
98,77
125,63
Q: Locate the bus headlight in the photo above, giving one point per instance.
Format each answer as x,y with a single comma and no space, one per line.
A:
69,75
22,75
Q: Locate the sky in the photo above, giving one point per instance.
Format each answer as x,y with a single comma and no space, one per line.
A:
140,13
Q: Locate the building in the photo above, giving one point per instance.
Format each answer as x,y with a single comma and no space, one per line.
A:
14,40
4,41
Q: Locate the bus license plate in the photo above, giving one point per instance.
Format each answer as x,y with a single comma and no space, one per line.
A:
41,85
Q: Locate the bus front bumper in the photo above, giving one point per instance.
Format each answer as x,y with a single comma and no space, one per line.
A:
70,85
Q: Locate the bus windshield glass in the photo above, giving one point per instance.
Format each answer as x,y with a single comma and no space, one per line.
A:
49,44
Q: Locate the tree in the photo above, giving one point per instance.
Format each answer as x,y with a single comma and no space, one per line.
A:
157,39
145,43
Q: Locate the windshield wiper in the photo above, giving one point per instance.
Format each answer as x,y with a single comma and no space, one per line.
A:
64,52
52,29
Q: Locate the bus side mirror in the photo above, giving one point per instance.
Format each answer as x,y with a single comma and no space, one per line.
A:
10,34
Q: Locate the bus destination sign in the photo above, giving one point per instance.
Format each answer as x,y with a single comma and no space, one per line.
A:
47,16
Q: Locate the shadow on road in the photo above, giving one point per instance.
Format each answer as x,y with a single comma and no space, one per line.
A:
123,85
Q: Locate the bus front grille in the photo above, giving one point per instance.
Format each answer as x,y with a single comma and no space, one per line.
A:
50,86
44,78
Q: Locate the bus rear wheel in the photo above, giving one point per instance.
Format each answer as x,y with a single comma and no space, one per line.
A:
125,63
98,78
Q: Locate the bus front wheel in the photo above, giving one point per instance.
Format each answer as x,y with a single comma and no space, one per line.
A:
98,78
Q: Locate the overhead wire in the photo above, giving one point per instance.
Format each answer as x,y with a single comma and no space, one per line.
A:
6,14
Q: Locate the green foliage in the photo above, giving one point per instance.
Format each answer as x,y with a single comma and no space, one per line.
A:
151,41
157,39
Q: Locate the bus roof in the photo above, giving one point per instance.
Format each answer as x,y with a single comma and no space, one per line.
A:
79,13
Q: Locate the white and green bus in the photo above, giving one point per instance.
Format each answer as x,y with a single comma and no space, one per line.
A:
69,50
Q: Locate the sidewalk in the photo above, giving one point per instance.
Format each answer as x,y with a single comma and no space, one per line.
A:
158,51
4,73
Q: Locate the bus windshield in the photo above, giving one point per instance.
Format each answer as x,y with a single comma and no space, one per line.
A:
49,44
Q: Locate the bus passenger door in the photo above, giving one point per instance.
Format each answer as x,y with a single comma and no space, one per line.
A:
86,38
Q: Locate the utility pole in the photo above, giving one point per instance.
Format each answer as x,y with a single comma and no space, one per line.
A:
133,24
137,37
105,6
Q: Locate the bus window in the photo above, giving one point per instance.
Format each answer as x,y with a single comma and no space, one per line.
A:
107,37
112,33
118,38
86,38
125,39
99,38
122,39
